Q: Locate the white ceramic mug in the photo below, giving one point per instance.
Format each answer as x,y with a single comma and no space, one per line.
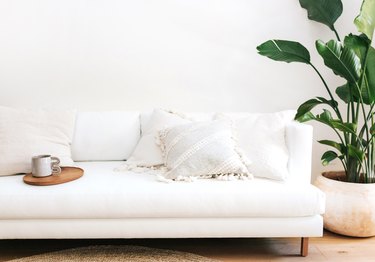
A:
45,165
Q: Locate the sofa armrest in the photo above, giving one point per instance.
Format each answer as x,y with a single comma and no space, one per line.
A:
299,139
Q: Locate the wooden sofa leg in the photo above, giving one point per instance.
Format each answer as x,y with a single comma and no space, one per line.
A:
304,246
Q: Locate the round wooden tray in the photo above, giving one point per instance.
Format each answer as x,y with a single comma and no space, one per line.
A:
67,174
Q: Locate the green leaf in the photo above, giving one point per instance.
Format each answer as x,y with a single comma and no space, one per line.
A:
349,92
344,127
332,103
340,147
307,107
365,21
310,104
367,91
342,60
361,45
326,116
355,152
358,43
370,73
372,129
328,157
344,93
304,118
285,51
364,142
323,11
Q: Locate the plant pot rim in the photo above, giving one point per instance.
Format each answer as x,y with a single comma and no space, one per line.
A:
347,186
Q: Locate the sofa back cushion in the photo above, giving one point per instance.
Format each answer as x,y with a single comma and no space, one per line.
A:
103,136
147,153
25,133
262,138
193,116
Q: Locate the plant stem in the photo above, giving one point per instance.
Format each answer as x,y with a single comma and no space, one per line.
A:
329,91
343,164
337,35
369,154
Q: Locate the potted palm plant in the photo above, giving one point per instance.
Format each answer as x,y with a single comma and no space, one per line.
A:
350,194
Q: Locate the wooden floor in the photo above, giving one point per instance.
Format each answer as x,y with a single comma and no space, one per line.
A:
329,248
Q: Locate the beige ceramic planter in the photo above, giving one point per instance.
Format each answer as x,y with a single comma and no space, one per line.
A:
350,207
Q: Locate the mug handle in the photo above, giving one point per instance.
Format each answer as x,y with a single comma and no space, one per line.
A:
55,165
56,170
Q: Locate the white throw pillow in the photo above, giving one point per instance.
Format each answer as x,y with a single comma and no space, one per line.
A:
262,138
147,153
201,149
105,136
26,133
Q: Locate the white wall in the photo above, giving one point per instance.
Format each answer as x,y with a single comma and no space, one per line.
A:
193,55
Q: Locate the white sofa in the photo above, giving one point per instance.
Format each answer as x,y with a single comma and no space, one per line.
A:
109,204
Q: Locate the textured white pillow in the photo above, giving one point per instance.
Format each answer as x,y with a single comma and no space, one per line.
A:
201,149
26,133
262,138
147,153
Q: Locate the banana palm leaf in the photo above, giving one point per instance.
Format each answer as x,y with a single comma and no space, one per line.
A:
361,46
323,11
285,51
342,60
365,21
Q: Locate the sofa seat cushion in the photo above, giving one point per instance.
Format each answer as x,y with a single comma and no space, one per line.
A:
104,193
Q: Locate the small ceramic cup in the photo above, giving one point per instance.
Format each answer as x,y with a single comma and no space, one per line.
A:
45,165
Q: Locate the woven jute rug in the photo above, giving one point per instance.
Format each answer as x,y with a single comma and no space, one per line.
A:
115,254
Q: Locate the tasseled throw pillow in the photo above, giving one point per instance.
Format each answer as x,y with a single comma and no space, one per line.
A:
202,150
